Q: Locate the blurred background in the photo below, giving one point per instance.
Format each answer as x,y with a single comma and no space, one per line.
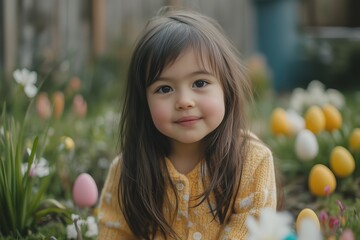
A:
300,40
80,50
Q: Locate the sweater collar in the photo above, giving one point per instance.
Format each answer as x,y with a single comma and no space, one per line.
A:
195,173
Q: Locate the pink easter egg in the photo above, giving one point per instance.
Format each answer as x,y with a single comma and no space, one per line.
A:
85,192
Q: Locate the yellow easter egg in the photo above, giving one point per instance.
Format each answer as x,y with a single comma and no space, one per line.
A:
315,119
322,181
68,143
279,122
342,163
354,140
333,118
307,213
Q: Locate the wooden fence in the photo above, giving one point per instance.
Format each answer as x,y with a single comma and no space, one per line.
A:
79,30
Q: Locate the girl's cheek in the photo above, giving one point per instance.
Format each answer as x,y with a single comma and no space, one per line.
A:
215,106
159,114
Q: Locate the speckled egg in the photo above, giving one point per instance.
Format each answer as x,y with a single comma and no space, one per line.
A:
85,191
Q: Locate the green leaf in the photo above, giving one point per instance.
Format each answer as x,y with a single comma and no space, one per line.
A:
51,210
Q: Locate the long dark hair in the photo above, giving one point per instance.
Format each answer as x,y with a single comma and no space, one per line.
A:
144,174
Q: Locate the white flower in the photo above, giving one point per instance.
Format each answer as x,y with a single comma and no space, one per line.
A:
39,168
316,93
309,230
92,228
298,99
74,217
25,77
28,80
71,231
335,98
272,225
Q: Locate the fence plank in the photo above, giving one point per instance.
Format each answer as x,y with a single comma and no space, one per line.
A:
74,30
98,27
10,36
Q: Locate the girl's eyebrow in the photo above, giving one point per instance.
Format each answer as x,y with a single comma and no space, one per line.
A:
199,72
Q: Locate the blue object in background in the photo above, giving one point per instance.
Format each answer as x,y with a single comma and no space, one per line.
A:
278,39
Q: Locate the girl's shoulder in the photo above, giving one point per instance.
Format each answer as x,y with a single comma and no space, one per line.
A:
256,149
114,168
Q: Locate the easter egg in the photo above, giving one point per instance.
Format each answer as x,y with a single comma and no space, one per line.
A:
279,122
306,145
68,143
59,102
296,121
354,140
333,118
43,105
314,119
322,181
342,163
307,213
85,192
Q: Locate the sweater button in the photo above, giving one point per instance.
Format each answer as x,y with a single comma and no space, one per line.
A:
197,236
180,186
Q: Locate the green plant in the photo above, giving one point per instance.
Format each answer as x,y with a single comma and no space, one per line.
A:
22,194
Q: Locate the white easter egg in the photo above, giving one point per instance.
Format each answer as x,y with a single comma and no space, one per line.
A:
306,145
296,121
85,191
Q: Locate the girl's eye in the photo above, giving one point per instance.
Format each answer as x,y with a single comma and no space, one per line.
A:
200,83
164,89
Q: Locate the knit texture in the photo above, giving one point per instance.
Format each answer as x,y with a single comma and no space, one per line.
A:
257,190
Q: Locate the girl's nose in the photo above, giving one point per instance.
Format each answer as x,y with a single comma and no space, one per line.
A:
184,102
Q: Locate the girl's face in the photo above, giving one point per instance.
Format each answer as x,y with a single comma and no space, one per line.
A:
187,100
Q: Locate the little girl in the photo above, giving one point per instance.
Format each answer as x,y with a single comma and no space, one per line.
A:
188,168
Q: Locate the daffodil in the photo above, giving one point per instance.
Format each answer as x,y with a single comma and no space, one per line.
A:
27,79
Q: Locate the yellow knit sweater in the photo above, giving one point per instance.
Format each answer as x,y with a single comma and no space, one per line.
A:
257,190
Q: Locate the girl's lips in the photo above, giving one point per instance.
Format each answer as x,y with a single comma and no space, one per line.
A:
187,121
